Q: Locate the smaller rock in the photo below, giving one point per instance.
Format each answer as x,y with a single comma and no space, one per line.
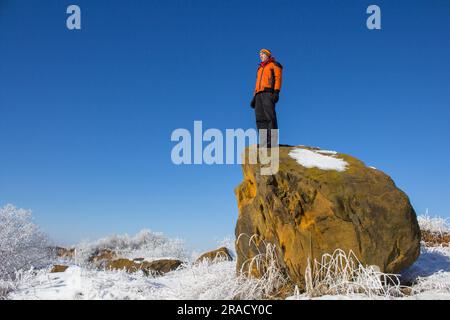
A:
102,256
161,266
221,253
157,267
123,264
435,239
58,268
65,253
407,291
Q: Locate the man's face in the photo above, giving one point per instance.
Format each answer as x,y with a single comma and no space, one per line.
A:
263,56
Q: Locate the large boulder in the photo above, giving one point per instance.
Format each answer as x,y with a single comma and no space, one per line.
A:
320,201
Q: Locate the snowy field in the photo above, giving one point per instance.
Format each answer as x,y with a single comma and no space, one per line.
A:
428,278
204,281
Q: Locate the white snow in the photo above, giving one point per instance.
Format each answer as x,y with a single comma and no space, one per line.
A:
203,281
326,151
315,158
430,275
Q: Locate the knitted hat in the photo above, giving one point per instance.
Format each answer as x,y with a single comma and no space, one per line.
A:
266,52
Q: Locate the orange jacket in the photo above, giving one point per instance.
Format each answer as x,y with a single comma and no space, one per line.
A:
269,77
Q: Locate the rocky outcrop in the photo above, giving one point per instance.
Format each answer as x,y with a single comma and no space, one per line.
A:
221,253
65,253
102,256
162,266
435,239
112,260
58,268
156,267
307,209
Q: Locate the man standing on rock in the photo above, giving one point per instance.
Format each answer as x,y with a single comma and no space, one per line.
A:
267,90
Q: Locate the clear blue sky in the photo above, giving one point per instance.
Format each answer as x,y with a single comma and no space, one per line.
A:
86,116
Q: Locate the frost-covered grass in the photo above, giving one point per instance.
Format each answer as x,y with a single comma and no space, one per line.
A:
436,285
6,286
335,277
430,274
218,280
195,281
338,275
429,277
341,273
205,280
435,230
146,244
260,277
434,224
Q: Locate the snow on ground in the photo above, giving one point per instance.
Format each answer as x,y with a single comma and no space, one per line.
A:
322,159
431,272
204,281
82,281
429,275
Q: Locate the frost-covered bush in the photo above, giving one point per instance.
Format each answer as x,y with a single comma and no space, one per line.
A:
433,224
146,244
22,244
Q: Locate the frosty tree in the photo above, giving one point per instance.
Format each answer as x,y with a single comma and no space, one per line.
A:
22,243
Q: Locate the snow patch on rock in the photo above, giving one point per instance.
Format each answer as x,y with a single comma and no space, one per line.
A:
322,159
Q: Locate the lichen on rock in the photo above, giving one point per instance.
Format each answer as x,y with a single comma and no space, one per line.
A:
306,211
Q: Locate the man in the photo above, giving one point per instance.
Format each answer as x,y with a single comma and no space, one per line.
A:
266,95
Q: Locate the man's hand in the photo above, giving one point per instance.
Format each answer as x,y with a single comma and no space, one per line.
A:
275,96
253,103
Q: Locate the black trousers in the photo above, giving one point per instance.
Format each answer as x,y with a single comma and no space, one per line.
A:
266,117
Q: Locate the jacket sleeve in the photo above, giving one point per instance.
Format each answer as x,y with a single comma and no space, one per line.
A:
278,77
256,82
